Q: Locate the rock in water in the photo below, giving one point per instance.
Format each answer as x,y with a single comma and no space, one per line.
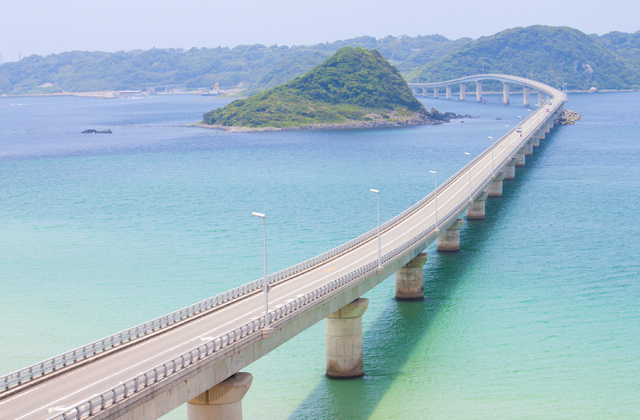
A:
568,117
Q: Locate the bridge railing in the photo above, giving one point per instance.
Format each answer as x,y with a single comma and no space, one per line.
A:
140,382
55,364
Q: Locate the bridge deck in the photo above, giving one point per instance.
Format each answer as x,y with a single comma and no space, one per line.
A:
53,396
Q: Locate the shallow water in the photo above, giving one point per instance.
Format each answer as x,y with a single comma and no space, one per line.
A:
536,317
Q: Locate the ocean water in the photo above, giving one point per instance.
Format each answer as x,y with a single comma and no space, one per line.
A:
538,315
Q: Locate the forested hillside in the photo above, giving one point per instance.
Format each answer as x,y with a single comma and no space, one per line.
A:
556,54
354,84
544,53
253,67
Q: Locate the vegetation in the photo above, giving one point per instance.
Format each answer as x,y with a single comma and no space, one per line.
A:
253,67
553,54
354,84
556,54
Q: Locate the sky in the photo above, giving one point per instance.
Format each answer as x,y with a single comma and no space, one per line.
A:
43,26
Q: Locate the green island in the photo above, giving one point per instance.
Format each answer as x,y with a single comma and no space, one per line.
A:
353,88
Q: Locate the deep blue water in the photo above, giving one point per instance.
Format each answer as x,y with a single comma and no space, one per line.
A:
537,316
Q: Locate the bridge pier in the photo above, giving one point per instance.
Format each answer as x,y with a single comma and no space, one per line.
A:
435,92
449,240
536,141
540,98
494,189
409,279
528,148
463,92
425,92
475,211
343,340
520,158
223,401
509,171
505,93
479,91
526,98
547,128
448,92
414,91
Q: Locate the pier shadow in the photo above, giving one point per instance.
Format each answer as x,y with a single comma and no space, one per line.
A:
395,334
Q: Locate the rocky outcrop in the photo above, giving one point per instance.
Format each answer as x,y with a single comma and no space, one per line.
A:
568,117
97,132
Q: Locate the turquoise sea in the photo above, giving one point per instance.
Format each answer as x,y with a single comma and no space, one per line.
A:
538,315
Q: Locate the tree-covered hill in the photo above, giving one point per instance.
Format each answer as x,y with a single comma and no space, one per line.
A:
253,67
627,45
611,61
354,84
556,54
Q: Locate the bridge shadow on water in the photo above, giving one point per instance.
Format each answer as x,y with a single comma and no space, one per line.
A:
394,336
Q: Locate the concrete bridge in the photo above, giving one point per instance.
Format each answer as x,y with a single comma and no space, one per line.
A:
507,81
195,355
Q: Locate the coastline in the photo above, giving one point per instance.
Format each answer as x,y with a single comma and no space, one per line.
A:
352,125
111,94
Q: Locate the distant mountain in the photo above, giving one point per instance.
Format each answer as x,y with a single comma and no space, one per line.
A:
354,84
556,54
627,45
252,67
545,53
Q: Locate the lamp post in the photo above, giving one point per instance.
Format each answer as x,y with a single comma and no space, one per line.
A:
266,285
469,170
379,246
436,190
510,69
492,169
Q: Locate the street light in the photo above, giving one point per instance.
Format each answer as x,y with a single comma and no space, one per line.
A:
469,170
436,190
492,169
265,286
510,69
379,246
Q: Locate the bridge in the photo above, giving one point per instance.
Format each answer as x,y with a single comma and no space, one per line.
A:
506,80
195,355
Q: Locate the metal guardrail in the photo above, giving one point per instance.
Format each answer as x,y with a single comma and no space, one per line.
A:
54,364
61,361
136,384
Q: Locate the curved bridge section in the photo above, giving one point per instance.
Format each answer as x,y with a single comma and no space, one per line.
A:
506,80
150,369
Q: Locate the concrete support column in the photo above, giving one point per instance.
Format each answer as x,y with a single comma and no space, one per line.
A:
540,134
526,96
547,128
425,92
343,340
528,148
223,401
463,92
448,92
414,91
509,171
505,93
475,211
536,141
494,189
450,239
479,91
409,279
520,159
540,98
435,92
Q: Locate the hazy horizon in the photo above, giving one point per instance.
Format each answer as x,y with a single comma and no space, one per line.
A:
42,28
